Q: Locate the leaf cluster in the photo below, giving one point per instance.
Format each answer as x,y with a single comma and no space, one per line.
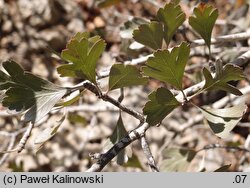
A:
25,92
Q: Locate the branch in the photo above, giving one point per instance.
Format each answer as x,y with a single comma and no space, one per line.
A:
11,143
222,102
215,146
148,154
243,59
94,89
105,158
10,147
222,39
23,140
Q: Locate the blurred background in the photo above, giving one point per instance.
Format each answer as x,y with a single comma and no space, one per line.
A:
32,31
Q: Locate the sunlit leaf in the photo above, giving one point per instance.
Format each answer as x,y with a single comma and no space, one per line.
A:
161,103
27,92
222,121
168,66
223,75
125,76
116,136
107,3
176,159
203,21
150,35
82,52
172,17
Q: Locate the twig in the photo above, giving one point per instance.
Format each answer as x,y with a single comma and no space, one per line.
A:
4,113
242,60
124,142
181,128
91,87
136,61
12,136
223,39
23,140
222,102
10,147
148,154
215,146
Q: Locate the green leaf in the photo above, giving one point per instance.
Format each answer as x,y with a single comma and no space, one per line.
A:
176,159
133,162
168,66
222,121
125,76
203,21
27,92
150,35
107,3
224,168
172,17
223,75
83,53
161,103
77,119
116,136
47,134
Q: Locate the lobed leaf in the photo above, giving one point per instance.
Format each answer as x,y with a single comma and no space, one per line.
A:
176,159
222,121
223,75
83,52
24,91
172,17
124,76
150,35
168,66
203,21
161,103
